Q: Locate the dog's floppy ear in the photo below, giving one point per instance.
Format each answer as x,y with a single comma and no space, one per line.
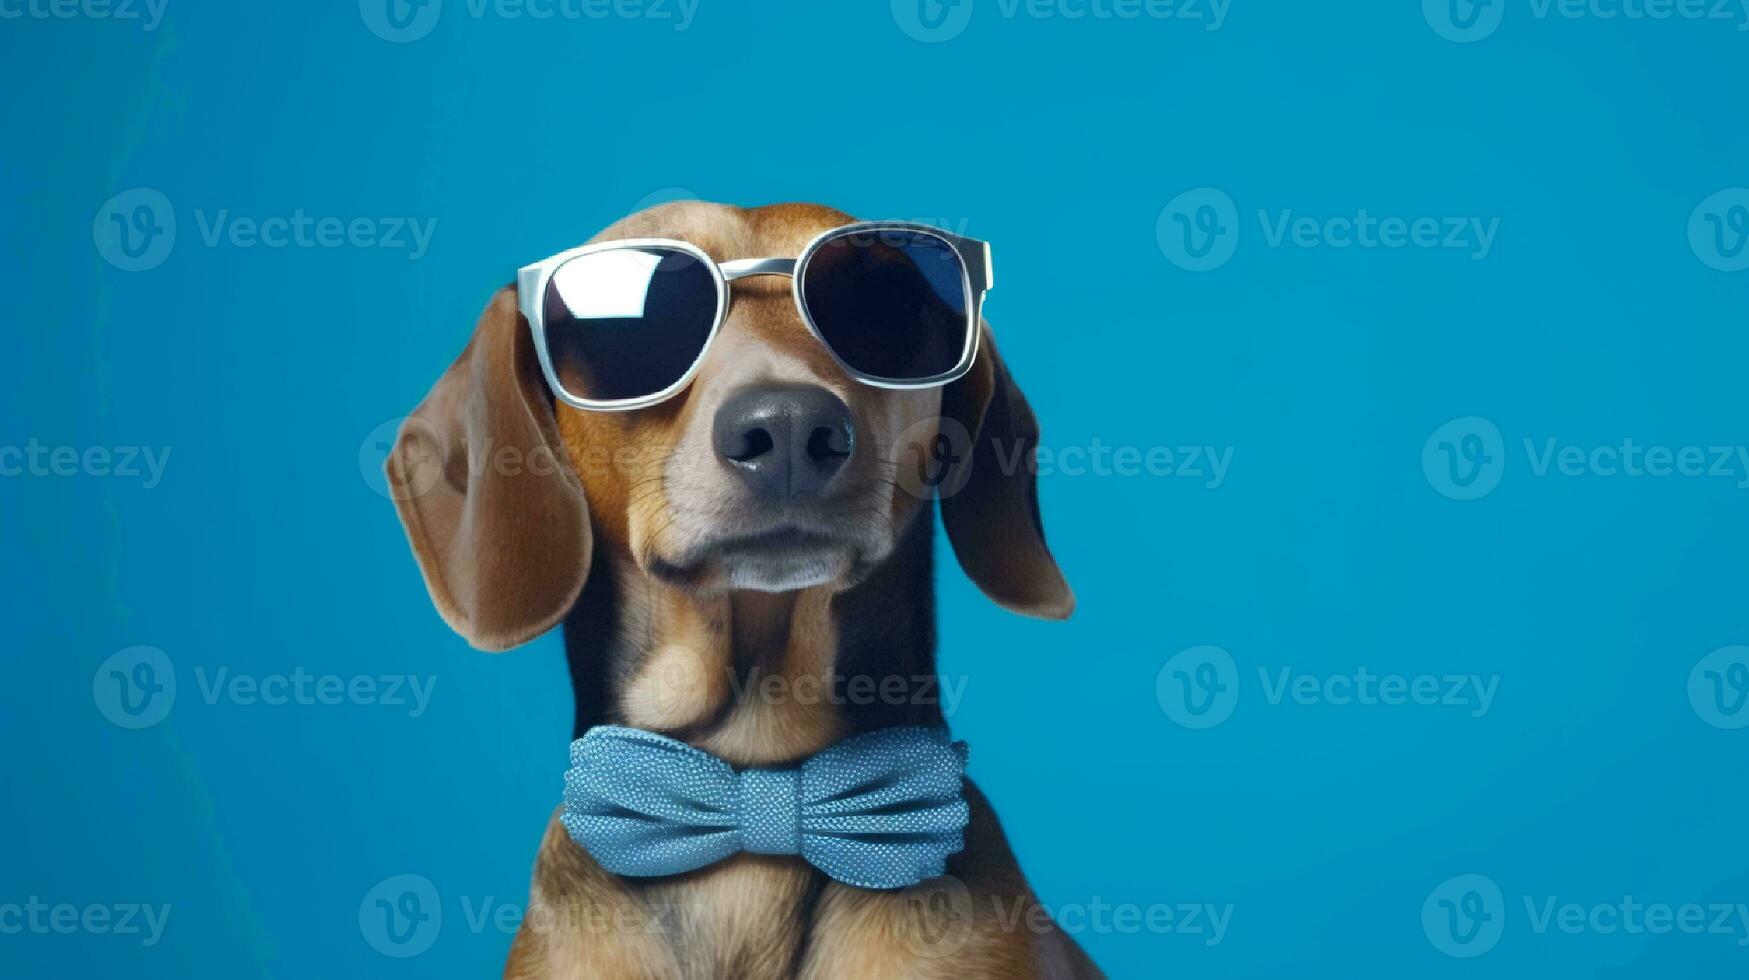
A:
492,508
991,507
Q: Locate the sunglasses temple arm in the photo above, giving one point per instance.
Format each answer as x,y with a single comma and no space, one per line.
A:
527,289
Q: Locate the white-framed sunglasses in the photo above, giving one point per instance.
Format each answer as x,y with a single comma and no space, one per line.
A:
625,324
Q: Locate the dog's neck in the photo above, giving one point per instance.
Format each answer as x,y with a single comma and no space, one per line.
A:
758,678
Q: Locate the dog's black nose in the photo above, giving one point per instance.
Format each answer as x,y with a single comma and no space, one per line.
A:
784,440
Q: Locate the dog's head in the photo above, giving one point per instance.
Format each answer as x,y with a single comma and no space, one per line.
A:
773,470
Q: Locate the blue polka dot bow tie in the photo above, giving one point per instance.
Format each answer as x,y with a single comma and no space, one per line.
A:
878,810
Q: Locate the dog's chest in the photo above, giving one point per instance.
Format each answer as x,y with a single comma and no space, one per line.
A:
745,917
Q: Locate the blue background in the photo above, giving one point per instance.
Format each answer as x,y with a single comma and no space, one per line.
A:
268,545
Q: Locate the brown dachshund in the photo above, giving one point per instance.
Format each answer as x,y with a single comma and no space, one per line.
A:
630,529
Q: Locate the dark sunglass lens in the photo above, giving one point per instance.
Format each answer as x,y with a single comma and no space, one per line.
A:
628,322
890,304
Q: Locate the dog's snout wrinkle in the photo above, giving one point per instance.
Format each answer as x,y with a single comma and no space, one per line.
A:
784,441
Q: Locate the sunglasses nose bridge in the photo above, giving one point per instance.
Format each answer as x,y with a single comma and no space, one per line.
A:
744,268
